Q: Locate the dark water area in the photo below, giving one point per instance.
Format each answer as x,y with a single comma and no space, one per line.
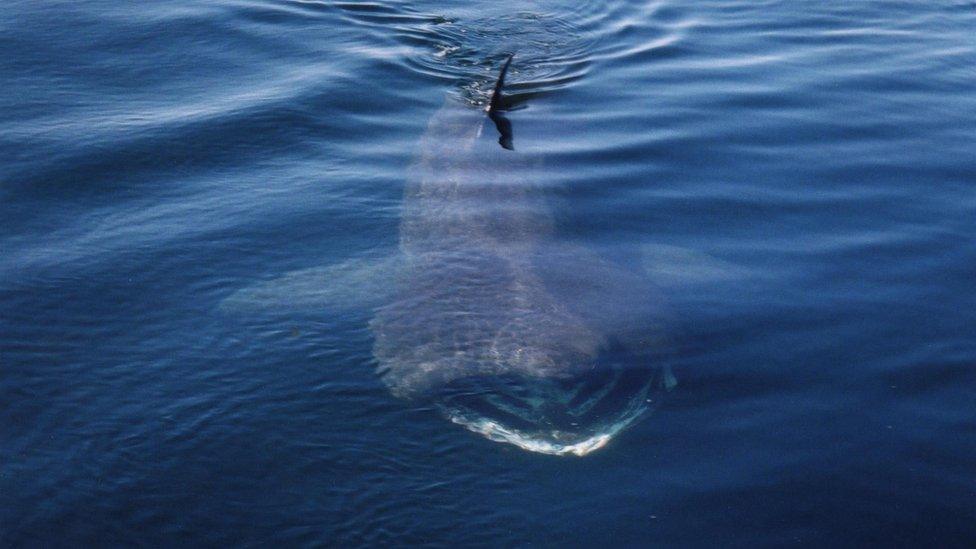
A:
187,188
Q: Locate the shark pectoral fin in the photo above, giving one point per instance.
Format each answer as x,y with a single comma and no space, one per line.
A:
674,266
619,302
355,284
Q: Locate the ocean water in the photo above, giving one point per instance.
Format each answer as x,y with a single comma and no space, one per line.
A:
188,190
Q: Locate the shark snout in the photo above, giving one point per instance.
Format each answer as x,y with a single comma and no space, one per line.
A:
563,415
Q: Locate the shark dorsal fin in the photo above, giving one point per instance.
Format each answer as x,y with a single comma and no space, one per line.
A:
496,97
496,106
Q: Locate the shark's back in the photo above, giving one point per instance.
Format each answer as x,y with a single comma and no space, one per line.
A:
469,299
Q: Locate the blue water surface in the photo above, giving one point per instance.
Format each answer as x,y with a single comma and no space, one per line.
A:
797,177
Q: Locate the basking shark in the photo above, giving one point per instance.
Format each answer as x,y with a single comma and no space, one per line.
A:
507,330
486,313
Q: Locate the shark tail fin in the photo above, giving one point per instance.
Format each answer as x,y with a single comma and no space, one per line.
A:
496,97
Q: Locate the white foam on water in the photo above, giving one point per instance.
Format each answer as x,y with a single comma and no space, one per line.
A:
499,433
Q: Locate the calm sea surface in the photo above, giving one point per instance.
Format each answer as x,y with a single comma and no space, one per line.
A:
180,179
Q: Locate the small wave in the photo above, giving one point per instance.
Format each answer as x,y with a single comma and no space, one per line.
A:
541,444
555,41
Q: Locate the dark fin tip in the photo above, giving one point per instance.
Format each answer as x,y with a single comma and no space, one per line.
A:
496,96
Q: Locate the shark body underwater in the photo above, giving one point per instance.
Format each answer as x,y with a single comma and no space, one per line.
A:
486,315
509,332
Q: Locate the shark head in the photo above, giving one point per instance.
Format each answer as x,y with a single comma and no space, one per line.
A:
573,415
